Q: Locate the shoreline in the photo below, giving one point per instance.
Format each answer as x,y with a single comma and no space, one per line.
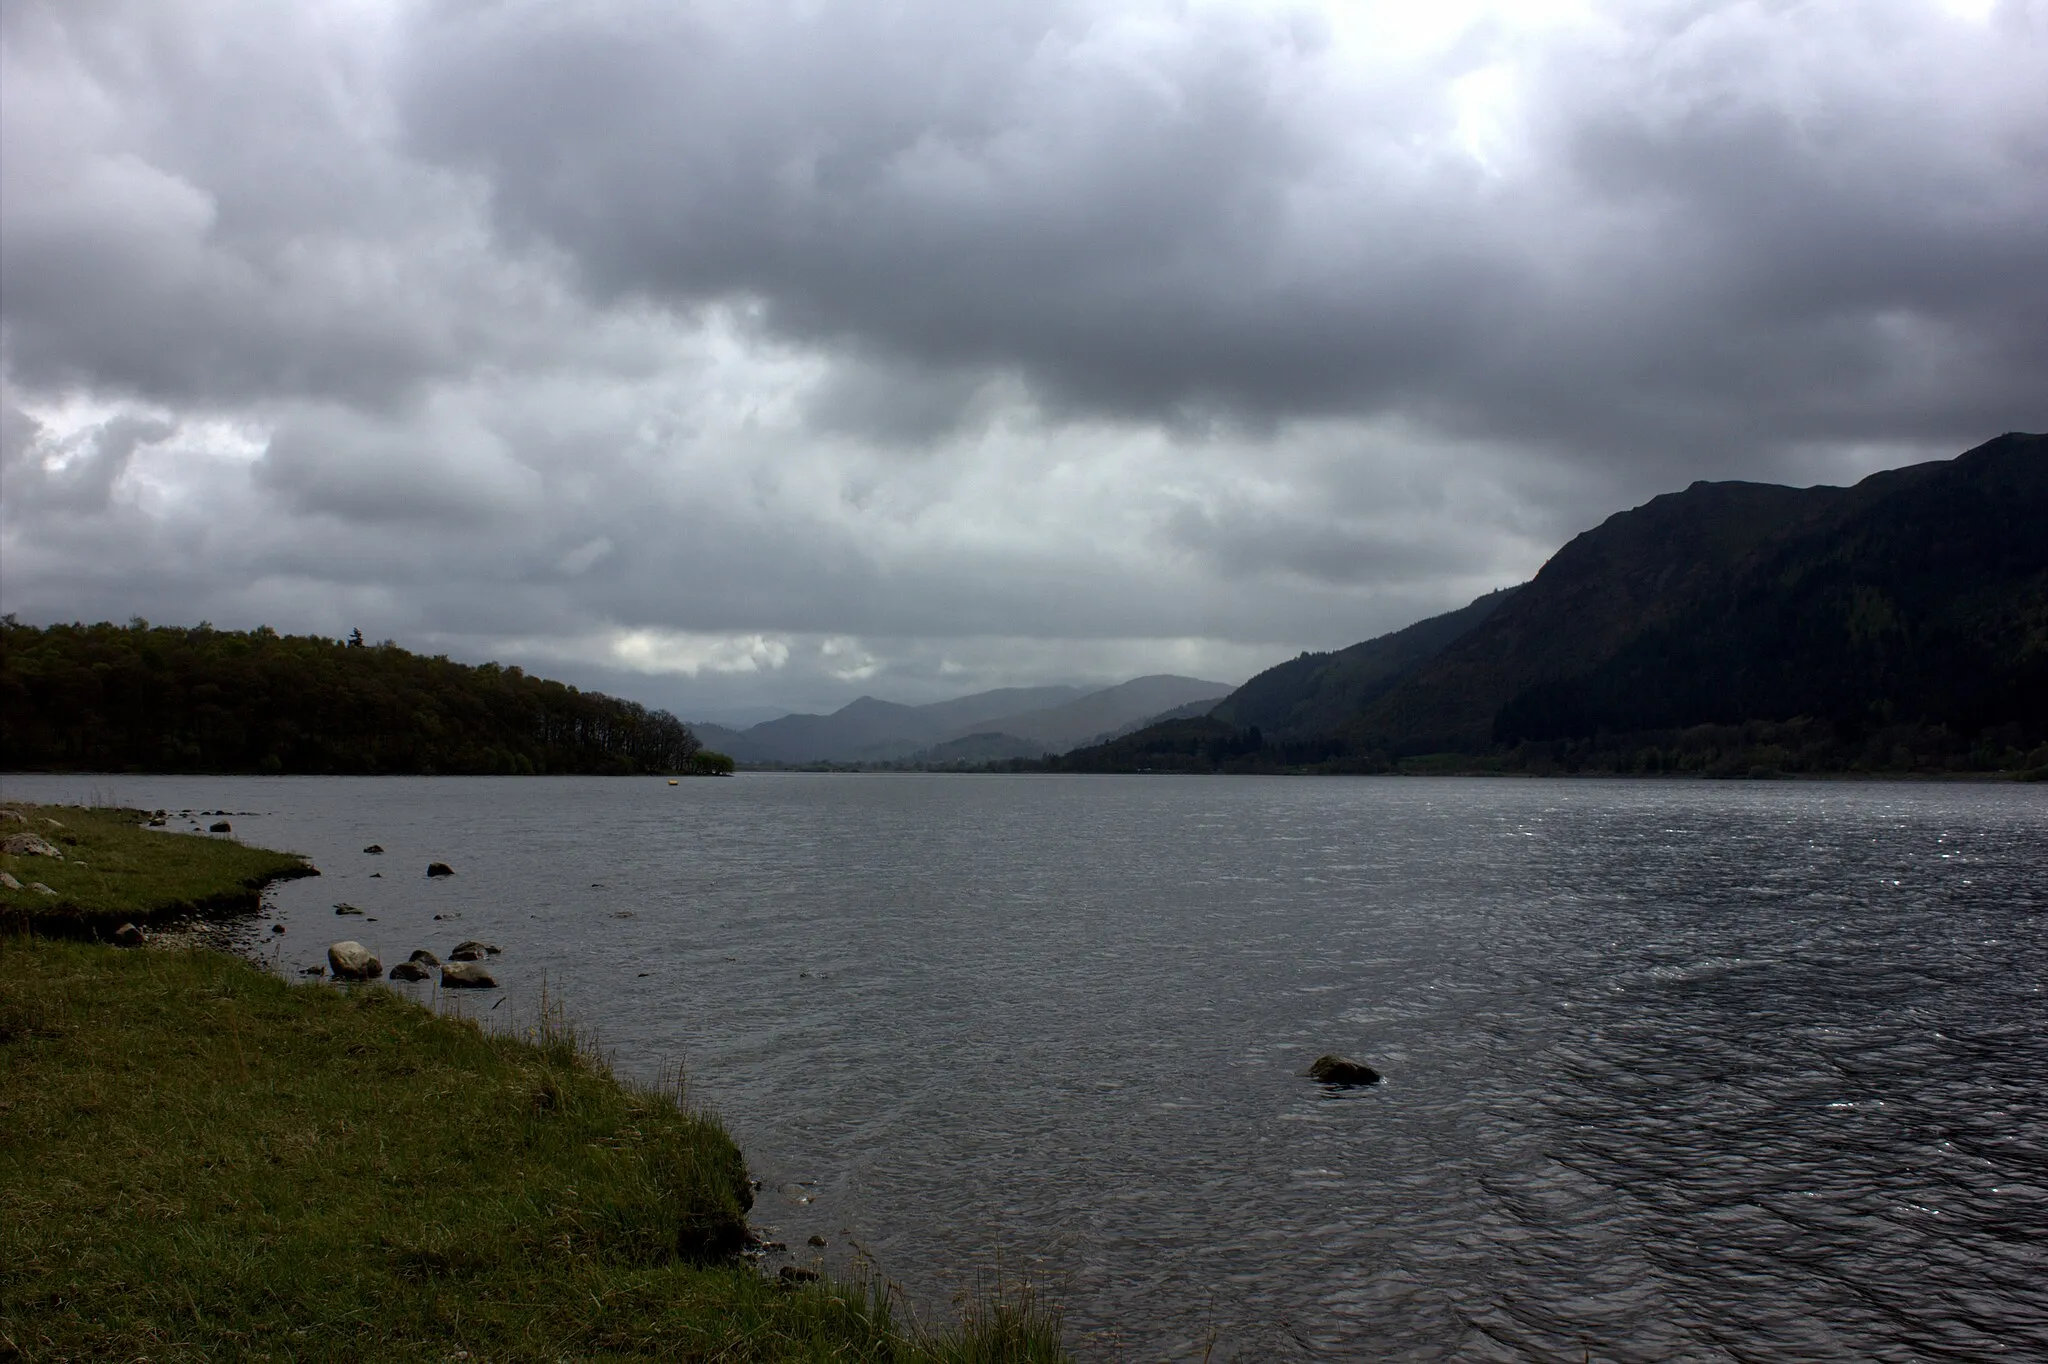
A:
207,1157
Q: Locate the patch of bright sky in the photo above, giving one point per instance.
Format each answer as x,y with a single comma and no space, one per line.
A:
689,652
1482,44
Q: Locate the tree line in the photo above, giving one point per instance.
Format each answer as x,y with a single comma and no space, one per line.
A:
153,698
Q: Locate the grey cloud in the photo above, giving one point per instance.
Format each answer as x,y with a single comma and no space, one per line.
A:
1701,258
336,463
903,406
200,204
75,476
1243,541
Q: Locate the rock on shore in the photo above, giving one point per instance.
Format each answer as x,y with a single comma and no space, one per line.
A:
29,845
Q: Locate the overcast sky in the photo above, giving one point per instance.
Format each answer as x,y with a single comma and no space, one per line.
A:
748,357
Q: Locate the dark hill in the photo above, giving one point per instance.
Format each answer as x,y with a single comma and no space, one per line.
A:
108,698
1200,744
1317,694
1900,623
1918,597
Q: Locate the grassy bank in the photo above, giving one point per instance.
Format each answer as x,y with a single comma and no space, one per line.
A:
203,1161
111,868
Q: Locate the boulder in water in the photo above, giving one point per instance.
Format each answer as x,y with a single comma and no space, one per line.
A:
473,950
353,961
439,869
1338,1070
410,970
375,850
466,975
423,956
220,826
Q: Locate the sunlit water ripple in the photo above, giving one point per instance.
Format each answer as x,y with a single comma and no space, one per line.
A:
1675,1070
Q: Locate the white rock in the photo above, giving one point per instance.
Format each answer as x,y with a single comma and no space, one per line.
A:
28,845
353,961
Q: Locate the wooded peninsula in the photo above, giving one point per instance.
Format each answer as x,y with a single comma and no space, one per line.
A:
149,698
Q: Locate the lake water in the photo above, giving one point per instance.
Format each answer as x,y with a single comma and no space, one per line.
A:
1673,1070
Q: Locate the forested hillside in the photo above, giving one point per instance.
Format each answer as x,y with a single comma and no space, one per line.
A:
1897,625
163,699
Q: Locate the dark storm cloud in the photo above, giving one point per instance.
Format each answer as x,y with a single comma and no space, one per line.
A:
197,206
1723,232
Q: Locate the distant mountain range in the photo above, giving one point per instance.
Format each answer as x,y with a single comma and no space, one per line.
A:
1900,624
1014,722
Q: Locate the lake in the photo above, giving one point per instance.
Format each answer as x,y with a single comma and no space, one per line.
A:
1673,1069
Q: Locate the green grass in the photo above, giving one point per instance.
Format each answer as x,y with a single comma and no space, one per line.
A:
201,1161
206,1162
115,869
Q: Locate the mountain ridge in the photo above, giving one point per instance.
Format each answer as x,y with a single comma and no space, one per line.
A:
1897,623
1036,720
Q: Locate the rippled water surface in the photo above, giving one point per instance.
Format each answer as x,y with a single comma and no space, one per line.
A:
1674,1070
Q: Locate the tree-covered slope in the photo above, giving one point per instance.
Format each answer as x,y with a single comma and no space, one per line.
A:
1900,624
1317,694
162,699
1921,599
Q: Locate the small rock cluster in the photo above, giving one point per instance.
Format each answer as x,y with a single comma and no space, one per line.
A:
464,969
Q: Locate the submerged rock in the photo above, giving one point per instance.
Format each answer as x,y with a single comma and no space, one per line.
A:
410,970
1339,1070
346,908
439,869
353,961
473,950
375,850
466,975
